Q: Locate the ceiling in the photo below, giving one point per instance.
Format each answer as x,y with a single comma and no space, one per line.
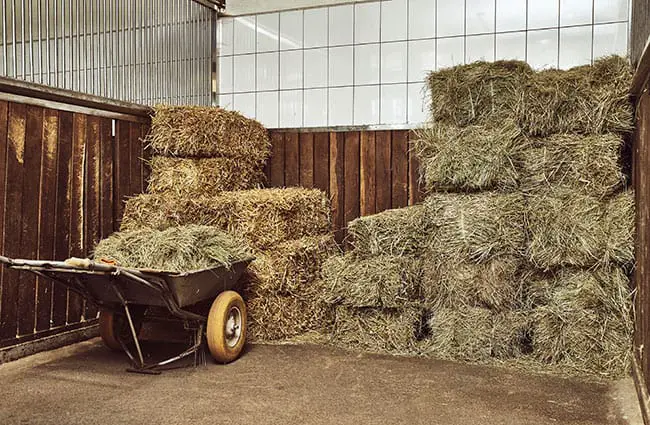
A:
242,7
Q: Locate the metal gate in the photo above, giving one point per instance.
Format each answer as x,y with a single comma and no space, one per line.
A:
140,51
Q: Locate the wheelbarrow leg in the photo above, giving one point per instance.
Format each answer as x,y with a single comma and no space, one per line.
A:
141,366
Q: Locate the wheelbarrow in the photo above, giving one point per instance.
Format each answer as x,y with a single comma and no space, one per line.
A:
207,302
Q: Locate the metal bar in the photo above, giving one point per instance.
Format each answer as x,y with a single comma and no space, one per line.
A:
108,23
40,45
213,59
91,48
79,48
188,49
63,57
47,40
83,46
167,87
120,18
4,35
22,42
128,317
13,44
31,40
56,43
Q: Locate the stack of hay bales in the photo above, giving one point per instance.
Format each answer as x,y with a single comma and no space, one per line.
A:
534,226
206,168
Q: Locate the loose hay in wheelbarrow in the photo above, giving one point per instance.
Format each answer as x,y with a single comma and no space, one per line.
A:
262,217
199,131
177,249
197,177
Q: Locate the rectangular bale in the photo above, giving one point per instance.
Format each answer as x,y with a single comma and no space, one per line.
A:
202,176
262,217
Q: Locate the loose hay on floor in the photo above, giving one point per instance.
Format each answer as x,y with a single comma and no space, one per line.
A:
589,164
200,131
480,92
470,158
275,317
394,232
381,281
477,226
177,249
197,177
449,283
262,217
291,268
377,330
566,228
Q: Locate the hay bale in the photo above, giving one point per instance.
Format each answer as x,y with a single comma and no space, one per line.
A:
586,99
274,317
583,340
475,334
396,232
470,158
477,226
567,228
177,249
262,217
589,164
199,131
377,330
196,177
381,281
449,283
291,268
477,93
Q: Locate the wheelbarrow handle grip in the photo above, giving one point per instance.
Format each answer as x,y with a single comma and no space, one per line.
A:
6,260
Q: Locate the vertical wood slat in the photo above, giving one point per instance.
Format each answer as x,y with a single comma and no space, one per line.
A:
62,216
399,167
352,173
47,219
383,171
321,161
122,169
291,159
30,214
135,146
306,160
416,193
4,121
106,153
13,216
145,154
77,213
337,183
92,195
642,194
277,160
367,173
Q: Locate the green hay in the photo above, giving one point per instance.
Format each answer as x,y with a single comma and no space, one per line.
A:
588,164
177,249
470,158
262,217
449,283
377,330
291,268
478,226
566,228
198,131
394,232
197,177
381,281
478,93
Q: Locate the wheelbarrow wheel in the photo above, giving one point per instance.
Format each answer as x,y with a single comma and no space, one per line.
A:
226,329
115,326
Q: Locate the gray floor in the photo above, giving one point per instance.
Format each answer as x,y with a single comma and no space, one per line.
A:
86,384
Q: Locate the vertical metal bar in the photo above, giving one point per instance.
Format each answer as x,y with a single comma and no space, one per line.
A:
82,44
106,34
73,13
47,40
167,87
91,48
213,57
128,62
31,40
63,57
108,29
188,49
40,45
4,36
79,48
56,43
13,39
22,41
120,21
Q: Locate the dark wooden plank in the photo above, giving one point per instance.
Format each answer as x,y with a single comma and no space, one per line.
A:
47,216
337,186
399,167
642,190
352,174
307,160
146,155
277,159
92,195
77,242
62,219
106,184
321,161
4,118
382,171
135,144
121,169
367,173
13,217
291,159
416,194
30,213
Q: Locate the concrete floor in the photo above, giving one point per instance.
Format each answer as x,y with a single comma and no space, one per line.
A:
86,383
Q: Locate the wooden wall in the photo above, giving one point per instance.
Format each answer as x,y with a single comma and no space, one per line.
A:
640,28
363,172
63,176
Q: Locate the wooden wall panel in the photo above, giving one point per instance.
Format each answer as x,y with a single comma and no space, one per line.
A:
352,176
276,178
291,159
367,184
383,178
306,160
337,183
4,121
399,168
322,161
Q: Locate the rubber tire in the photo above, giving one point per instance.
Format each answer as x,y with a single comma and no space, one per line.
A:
110,326
216,327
